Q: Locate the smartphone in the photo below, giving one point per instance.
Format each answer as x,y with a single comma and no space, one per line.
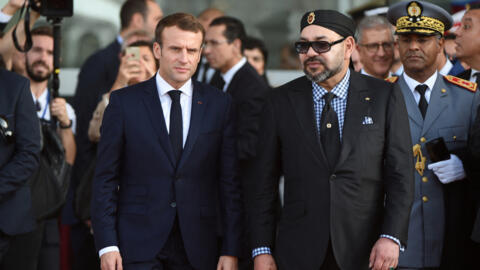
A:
134,53
437,150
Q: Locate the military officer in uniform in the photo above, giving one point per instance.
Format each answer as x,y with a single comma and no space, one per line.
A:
438,106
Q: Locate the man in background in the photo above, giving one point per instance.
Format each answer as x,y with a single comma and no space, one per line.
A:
375,45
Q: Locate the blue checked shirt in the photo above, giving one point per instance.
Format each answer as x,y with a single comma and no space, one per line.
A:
339,104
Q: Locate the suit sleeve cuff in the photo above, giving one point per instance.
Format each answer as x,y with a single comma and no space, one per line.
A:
402,248
261,250
107,249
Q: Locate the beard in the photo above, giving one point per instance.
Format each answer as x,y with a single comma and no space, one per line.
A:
324,75
35,76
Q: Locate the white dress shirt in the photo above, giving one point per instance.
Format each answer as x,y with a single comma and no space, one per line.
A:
185,102
4,18
472,77
45,111
446,68
362,71
201,71
413,83
228,76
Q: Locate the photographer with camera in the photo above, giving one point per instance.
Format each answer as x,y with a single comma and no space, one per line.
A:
25,250
19,148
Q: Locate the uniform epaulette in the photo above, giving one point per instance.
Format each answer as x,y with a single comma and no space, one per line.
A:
470,86
392,79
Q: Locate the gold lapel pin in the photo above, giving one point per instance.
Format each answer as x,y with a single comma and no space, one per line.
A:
367,98
444,91
199,102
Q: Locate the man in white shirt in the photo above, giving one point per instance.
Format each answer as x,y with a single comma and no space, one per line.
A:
165,188
438,107
25,251
224,51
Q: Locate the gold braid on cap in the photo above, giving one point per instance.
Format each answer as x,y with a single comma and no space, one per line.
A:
426,25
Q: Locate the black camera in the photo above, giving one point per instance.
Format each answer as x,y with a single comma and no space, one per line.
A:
5,131
53,8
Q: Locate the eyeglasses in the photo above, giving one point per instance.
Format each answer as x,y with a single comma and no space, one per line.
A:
318,46
373,47
4,131
214,43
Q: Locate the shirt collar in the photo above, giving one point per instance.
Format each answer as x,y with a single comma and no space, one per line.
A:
163,86
430,82
228,76
120,39
446,68
472,77
362,71
340,90
42,98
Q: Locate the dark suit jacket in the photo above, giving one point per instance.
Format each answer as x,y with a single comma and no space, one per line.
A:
369,192
248,90
135,155
96,77
465,74
18,160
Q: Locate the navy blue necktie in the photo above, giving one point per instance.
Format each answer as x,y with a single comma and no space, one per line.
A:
176,125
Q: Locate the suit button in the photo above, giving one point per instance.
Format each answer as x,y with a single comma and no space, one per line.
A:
173,204
425,199
333,177
423,139
424,179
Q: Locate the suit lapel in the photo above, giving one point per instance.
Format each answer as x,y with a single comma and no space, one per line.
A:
438,103
302,103
357,108
197,115
412,107
155,112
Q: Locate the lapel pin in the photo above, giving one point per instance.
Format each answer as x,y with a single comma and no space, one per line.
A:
199,102
444,91
367,98
329,125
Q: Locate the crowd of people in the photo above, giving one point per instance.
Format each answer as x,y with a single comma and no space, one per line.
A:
172,152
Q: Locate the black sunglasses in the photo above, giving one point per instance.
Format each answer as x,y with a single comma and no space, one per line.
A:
318,46
4,130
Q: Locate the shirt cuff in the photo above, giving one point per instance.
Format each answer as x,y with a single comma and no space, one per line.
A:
261,250
107,249
4,18
402,248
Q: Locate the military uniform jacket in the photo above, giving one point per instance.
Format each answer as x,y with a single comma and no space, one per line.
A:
438,212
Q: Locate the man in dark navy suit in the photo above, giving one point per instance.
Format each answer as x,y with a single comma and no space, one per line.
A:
166,166
96,78
19,148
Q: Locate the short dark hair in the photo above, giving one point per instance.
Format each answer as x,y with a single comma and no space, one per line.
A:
233,28
184,21
251,43
42,31
144,43
129,8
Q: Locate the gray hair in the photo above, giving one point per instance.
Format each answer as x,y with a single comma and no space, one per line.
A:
371,22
